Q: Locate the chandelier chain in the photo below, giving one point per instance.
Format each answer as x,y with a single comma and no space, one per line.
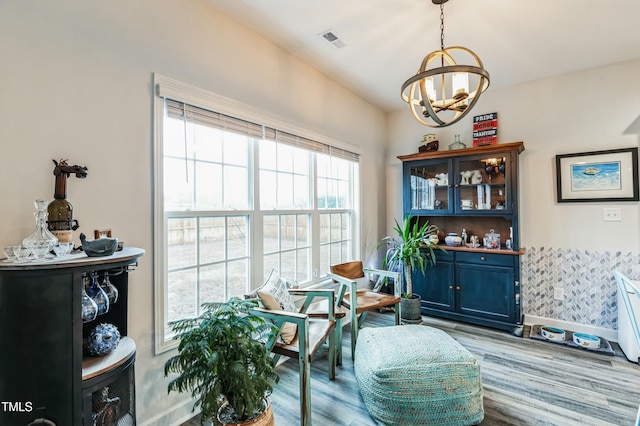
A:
442,25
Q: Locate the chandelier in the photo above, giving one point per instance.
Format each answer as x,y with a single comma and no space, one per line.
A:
439,97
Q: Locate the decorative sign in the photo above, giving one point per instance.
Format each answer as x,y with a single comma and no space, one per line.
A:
485,129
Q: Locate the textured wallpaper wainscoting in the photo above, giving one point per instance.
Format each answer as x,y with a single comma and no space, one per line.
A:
587,279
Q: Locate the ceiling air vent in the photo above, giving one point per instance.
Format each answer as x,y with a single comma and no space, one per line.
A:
332,38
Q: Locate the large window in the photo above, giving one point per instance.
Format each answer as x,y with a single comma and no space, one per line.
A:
236,201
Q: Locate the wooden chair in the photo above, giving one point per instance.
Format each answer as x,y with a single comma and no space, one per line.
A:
356,295
313,331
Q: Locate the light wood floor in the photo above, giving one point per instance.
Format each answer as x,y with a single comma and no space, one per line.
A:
526,382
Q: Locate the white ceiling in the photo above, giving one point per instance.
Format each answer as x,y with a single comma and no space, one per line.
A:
386,40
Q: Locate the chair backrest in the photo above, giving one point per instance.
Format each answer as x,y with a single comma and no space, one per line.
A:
349,270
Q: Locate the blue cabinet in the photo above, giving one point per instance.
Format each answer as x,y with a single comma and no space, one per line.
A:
473,189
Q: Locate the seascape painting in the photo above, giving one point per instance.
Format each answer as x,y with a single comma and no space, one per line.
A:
596,176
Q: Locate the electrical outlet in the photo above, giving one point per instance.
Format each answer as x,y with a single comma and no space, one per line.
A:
558,293
611,214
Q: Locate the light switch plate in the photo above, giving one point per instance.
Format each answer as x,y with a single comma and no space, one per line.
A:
558,293
611,214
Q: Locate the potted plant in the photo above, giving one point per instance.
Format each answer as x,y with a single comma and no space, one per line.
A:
223,362
411,249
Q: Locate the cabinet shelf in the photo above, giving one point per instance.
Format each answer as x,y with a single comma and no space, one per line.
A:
487,149
505,251
476,285
95,366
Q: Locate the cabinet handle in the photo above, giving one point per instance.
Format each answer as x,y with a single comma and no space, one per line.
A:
456,185
451,287
483,258
458,287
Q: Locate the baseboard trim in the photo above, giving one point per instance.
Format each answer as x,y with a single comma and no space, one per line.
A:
174,415
611,335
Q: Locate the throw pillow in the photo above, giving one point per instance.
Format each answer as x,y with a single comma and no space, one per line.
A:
275,297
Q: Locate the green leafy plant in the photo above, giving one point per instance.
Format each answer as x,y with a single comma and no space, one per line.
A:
221,355
410,250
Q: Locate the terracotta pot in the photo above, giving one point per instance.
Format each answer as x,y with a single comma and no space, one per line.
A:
264,419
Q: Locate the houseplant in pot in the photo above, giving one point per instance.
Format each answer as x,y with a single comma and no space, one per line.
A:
411,249
223,362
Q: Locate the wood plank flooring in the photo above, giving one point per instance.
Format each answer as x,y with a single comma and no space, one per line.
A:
525,381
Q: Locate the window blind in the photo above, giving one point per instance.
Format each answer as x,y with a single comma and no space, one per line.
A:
183,111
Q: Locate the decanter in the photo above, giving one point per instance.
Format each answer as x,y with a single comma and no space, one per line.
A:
40,236
98,295
110,290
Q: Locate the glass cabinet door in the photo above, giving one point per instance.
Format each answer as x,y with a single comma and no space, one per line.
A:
428,187
482,184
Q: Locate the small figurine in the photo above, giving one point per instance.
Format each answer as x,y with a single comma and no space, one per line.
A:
99,247
429,146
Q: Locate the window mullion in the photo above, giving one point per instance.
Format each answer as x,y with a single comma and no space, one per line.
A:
256,221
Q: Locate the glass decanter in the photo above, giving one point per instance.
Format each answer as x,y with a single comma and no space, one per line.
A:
89,307
109,289
40,237
98,295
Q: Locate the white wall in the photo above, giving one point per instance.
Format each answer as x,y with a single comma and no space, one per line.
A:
584,111
75,82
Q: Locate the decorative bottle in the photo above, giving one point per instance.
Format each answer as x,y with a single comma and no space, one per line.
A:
98,295
89,307
61,222
110,290
40,236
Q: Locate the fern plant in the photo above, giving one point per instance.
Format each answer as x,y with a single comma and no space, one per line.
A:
221,355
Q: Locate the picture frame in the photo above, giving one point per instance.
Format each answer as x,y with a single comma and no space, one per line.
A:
610,175
100,233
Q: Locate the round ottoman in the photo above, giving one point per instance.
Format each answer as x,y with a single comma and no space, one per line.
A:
416,375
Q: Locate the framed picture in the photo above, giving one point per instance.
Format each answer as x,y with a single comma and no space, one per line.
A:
100,233
598,176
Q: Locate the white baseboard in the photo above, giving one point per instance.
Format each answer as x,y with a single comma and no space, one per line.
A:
611,335
173,416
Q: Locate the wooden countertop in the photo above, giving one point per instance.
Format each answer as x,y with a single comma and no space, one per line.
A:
519,252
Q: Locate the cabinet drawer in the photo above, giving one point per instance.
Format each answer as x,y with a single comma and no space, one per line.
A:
485,258
446,256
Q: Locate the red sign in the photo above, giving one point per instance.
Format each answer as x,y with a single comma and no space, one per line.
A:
485,129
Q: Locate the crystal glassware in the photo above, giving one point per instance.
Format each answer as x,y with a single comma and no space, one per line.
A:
40,234
8,252
110,290
62,249
39,249
22,253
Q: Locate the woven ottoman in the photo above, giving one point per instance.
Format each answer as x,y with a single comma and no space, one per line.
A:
416,375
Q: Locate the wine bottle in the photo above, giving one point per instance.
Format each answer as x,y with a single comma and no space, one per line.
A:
61,223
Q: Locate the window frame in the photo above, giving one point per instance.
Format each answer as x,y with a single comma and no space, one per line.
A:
165,87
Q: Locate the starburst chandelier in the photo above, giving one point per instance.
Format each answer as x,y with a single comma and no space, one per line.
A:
439,97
